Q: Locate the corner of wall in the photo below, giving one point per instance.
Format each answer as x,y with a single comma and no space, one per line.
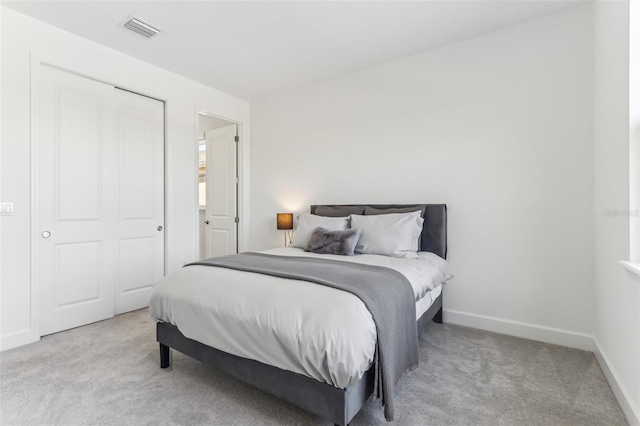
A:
621,393
617,319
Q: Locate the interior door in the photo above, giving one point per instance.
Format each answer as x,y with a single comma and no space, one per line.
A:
220,218
140,136
75,191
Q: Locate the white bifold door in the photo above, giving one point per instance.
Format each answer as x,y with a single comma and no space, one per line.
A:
221,233
99,199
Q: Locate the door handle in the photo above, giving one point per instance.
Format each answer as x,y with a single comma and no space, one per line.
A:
46,234
159,228
206,222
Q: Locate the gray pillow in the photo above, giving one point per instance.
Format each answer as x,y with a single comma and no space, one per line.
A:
338,211
343,243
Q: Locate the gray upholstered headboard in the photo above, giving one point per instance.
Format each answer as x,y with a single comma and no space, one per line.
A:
434,230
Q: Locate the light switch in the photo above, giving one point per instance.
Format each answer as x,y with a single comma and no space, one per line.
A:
6,209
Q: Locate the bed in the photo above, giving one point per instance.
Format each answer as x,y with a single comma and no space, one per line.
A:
249,353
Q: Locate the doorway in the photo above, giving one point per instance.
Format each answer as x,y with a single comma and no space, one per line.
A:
218,186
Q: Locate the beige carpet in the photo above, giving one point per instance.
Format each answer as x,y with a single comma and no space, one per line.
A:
108,373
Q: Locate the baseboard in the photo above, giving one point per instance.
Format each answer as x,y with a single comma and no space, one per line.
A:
629,408
555,336
18,338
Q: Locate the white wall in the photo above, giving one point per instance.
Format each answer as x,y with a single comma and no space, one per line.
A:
617,327
1,197
498,127
21,36
634,129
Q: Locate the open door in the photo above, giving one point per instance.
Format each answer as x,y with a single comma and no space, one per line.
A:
221,219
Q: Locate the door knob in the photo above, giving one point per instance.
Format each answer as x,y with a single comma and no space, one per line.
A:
46,234
159,228
206,222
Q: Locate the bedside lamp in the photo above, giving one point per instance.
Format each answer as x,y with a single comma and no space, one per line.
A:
285,222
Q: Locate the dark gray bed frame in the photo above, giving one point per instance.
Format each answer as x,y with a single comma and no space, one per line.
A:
327,402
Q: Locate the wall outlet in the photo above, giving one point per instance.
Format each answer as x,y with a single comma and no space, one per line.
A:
6,209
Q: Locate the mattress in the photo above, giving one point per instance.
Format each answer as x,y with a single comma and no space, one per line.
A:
424,303
298,326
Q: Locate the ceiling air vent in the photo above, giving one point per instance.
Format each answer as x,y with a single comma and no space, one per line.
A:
142,28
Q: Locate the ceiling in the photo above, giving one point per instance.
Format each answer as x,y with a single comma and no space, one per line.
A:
256,49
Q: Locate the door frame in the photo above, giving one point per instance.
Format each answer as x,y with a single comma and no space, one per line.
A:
242,153
37,59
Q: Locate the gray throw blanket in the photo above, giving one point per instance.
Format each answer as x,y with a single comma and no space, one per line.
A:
386,293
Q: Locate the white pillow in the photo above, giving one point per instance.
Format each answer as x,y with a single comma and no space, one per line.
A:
393,234
307,222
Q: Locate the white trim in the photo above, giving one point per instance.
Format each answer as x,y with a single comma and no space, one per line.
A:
18,338
196,189
0,174
621,393
552,335
631,267
33,258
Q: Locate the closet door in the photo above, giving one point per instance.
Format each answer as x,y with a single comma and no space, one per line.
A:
140,135
76,189
99,200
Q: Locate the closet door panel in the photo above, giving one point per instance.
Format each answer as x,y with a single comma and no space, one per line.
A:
78,146
137,133
140,130
72,284
75,195
136,263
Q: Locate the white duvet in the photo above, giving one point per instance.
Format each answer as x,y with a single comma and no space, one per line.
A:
320,332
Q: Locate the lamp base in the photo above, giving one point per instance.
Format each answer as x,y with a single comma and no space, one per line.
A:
288,237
